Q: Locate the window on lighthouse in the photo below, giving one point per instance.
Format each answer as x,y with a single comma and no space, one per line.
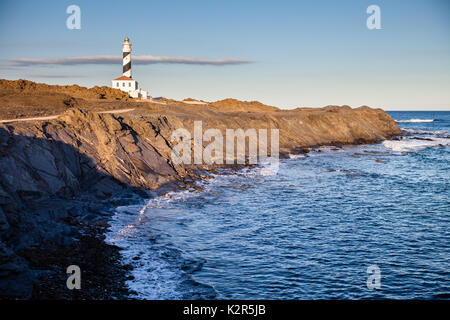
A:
123,84
129,84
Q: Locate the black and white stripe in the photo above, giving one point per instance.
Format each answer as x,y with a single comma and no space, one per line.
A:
127,64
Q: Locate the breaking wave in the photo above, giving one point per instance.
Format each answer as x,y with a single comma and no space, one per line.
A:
416,120
161,270
414,145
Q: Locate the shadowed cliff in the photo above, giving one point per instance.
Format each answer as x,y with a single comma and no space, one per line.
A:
53,202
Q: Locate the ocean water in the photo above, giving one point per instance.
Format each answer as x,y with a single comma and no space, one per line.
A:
308,232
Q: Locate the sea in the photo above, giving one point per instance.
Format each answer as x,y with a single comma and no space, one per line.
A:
353,222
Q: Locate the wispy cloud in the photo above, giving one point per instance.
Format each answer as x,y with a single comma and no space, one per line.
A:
117,60
8,67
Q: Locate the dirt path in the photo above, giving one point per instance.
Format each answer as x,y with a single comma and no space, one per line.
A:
55,117
117,111
30,119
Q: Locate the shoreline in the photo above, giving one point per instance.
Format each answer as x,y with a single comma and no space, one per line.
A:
231,170
105,274
192,187
60,179
105,269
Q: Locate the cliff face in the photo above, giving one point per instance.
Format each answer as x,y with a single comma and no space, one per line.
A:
56,157
49,170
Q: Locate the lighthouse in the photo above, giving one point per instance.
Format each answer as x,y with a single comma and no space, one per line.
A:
126,82
126,61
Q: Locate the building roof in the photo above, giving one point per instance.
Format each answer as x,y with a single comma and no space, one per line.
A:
124,78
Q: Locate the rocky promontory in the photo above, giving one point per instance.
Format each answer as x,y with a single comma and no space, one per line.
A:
61,178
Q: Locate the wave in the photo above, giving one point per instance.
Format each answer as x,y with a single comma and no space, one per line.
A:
416,120
424,132
160,270
414,145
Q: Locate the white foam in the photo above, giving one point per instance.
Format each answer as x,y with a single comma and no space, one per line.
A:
270,167
420,131
414,145
296,156
154,277
416,120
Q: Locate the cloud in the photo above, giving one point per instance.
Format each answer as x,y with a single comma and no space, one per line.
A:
143,60
8,67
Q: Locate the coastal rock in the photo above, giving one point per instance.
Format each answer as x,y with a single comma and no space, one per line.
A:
16,280
52,172
4,225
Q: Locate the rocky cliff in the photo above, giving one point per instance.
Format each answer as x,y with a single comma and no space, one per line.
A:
60,175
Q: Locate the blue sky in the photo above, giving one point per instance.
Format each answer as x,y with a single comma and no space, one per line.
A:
302,53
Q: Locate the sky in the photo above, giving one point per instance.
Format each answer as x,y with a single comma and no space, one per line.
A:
289,54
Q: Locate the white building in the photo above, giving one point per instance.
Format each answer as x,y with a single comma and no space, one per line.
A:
129,85
126,82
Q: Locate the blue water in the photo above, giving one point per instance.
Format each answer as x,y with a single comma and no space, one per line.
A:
308,232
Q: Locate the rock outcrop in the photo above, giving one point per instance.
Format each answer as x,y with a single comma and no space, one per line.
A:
66,169
23,98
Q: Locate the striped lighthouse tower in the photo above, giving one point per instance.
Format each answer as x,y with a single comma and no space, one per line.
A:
125,82
126,49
